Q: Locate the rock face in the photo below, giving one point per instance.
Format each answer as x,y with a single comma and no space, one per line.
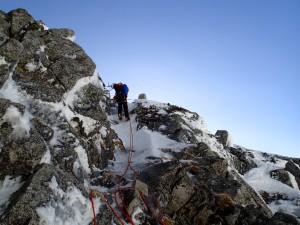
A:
57,144
197,187
43,74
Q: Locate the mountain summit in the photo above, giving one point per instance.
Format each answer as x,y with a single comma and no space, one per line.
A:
66,159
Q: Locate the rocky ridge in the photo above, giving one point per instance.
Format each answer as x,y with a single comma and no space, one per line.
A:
57,141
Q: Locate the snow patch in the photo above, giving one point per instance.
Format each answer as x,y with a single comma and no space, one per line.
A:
46,158
33,66
2,61
19,121
7,187
83,158
71,38
70,96
70,208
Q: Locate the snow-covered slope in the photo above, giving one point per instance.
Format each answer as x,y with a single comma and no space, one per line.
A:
152,143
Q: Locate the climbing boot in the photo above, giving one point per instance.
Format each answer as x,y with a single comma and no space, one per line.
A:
120,116
127,118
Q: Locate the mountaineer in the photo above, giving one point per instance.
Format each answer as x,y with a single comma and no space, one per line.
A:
121,98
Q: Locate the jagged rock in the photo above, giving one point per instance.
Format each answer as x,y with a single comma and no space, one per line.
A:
142,96
3,36
203,197
68,69
168,123
21,156
4,25
45,65
280,218
34,193
153,160
242,160
43,129
282,176
3,74
87,103
269,198
223,137
19,20
293,169
11,50
200,150
21,149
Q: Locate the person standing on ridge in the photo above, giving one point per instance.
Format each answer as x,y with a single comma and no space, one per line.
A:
121,98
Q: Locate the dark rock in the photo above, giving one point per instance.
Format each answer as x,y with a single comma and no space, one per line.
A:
11,50
3,37
153,160
19,157
142,96
293,169
223,137
4,28
209,195
43,129
282,176
280,218
3,74
169,123
69,69
34,193
272,197
242,160
87,103
19,20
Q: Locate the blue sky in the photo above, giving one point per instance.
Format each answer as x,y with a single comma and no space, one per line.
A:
236,63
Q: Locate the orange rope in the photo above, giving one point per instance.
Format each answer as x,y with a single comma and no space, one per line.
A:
118,193
92,201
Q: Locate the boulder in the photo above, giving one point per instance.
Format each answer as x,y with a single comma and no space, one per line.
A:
20,18
11,50
293,169
223,137
142,96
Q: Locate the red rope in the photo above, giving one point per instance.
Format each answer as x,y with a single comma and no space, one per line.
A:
92,201
118,193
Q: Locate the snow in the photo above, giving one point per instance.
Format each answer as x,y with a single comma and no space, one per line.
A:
46,158
71,208
70,96
145,143
293,181
2,61
71,38
19,121
260,180
83,158
11,91
7,187
31,66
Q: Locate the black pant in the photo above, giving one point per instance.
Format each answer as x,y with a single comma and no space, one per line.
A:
125,106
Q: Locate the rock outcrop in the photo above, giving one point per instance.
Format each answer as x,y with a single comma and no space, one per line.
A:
44,74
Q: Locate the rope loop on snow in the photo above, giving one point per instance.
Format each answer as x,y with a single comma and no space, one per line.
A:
118,199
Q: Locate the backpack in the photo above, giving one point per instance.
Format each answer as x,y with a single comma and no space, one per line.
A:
126,89
121,92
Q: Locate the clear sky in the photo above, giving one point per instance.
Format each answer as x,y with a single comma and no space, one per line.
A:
236,63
